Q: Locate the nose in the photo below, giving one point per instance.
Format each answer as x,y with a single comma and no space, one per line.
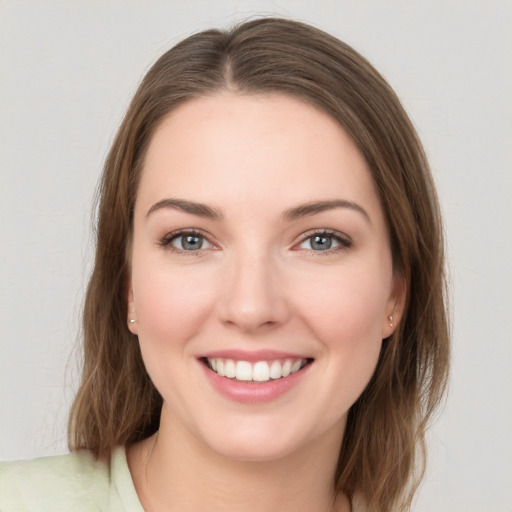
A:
254,294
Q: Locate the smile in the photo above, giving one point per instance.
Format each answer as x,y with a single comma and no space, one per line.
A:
257,371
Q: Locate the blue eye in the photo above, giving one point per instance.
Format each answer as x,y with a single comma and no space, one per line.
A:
187,242
322,242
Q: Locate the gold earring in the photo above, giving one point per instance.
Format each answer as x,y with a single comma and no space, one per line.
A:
390,318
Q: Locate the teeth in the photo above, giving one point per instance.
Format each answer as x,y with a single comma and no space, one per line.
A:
229,368
287,368
275,370
243,370
295,367
261,371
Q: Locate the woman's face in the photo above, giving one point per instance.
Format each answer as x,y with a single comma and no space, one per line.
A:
261,274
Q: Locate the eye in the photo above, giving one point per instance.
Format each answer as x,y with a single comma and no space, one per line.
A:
186,241
322,241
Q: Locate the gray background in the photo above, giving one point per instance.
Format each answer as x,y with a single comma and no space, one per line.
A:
67,71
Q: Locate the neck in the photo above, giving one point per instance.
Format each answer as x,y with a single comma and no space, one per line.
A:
173,471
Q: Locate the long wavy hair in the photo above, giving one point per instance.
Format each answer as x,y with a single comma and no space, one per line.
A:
382,455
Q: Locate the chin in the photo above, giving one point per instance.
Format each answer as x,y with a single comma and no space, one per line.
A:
265,440
253,450
249,438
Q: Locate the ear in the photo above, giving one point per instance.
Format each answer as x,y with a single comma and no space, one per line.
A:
395,306
132,312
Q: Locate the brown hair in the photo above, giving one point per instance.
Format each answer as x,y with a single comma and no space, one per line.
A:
384,438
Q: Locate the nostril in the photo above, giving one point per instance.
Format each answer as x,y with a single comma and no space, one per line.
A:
253,297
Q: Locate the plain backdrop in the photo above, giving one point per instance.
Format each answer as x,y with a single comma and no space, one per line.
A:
67,72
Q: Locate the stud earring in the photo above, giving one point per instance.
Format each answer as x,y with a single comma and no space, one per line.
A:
132,321
390,318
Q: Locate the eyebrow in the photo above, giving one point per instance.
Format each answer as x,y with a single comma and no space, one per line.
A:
303,210
192,207
315,207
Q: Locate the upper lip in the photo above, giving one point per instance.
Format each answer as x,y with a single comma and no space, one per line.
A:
252,356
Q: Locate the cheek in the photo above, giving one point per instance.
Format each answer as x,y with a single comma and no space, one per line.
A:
347,322
348,306
345,314
170,306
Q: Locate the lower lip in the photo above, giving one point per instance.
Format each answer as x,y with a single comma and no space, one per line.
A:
253,392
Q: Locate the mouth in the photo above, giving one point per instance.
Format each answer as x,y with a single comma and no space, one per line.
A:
255,371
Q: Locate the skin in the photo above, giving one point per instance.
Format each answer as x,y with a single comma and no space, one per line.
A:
256,283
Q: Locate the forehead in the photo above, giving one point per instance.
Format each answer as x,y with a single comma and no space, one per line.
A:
219,148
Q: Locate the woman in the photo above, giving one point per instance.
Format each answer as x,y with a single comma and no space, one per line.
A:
265,325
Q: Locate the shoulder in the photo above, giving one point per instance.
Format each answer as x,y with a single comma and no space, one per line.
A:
76,481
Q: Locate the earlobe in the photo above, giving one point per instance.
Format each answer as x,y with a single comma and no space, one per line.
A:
394,307
132,313
390,322
388,326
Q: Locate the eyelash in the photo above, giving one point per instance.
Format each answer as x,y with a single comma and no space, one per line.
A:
166,241
342,240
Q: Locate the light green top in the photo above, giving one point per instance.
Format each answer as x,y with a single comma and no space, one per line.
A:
68,483
73,483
